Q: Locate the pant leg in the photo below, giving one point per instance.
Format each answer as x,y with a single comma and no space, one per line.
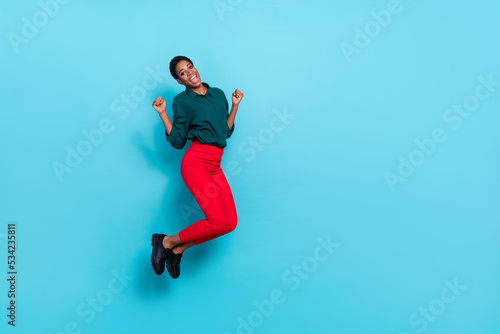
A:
204,178
226,197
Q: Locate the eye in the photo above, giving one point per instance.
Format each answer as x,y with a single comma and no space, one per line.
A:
182,73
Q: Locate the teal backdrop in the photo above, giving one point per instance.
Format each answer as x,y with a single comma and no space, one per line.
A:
364,166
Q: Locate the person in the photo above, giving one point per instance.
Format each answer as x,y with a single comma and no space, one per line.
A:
200,115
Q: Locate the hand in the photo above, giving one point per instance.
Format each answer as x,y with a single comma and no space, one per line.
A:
160,105
237,96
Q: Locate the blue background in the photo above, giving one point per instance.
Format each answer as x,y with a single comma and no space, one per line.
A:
318,173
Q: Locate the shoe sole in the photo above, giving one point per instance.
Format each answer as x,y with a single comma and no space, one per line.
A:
170,270
157,271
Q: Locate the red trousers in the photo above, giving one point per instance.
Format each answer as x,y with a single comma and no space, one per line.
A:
201,171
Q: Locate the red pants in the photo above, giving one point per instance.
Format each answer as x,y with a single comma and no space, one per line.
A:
200,170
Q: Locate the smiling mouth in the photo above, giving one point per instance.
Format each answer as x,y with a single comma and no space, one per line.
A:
194,79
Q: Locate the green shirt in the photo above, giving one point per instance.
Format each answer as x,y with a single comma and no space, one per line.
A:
200,117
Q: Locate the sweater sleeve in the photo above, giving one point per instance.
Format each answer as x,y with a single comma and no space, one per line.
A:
177,136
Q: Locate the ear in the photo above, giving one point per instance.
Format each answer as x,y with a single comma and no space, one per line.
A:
179,81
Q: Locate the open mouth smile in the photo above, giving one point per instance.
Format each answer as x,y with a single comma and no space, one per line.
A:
194,79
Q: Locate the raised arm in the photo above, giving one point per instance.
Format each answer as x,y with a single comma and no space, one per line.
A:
161,107
175,131
236,97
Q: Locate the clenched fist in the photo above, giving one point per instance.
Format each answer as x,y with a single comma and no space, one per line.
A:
160,105
237,96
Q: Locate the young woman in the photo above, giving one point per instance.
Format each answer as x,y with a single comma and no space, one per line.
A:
200,115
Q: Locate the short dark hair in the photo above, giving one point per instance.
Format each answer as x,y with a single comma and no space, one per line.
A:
174,62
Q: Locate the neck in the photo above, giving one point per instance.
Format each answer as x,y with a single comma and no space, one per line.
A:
200,90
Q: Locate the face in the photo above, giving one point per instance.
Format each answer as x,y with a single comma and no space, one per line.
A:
188,74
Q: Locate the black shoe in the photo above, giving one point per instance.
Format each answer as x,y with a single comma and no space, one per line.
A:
159,254
173,264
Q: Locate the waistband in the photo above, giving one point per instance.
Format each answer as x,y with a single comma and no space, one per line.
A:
210,149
